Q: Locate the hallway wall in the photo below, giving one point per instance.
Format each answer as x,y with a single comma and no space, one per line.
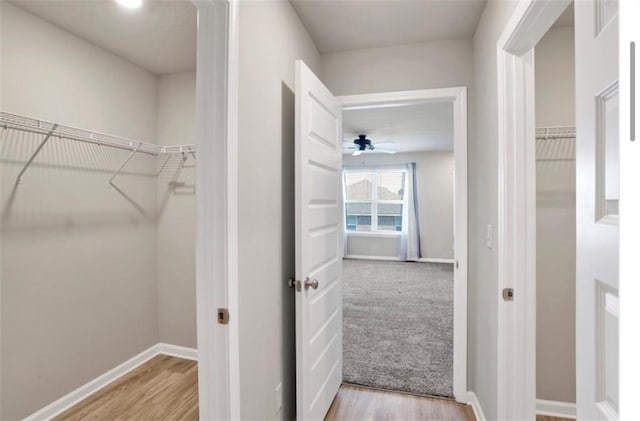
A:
483,206
438,64
271,39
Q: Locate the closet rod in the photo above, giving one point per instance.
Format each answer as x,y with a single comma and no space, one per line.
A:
32,125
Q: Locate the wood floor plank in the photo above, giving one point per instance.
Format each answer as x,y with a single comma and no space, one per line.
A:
355,403
163,388
550,418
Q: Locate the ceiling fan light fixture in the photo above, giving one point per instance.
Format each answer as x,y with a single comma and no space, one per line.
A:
362,144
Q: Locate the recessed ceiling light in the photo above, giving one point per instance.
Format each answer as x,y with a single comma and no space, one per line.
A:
131,4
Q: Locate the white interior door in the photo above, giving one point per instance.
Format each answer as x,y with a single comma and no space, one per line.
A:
597,165
318,241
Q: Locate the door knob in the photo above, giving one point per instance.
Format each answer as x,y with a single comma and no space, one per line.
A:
310,283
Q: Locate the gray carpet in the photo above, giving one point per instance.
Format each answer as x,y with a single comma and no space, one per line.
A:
398,326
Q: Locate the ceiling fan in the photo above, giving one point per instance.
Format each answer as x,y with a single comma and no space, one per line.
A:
362,144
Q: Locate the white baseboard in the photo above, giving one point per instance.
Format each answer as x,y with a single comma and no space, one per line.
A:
435,260
87,389
178,351
472,400
556,409
359,257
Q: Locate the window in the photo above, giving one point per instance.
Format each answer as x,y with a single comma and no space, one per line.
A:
374,199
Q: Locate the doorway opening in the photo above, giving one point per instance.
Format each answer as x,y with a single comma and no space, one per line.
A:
100,139
555,219
404,267
596,175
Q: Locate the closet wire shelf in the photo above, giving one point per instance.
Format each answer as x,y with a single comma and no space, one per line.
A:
561,132
53,130
555,144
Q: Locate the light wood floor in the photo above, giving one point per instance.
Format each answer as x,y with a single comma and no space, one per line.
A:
549,418
166,388
163,388
355,403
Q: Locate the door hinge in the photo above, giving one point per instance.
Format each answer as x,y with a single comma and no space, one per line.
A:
507,294
223,316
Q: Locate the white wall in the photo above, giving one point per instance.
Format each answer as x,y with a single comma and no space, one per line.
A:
75,83
483,209
78,260
434,179
415,66
271,39
556,221
176,212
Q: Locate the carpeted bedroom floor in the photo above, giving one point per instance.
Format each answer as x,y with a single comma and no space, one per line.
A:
398,326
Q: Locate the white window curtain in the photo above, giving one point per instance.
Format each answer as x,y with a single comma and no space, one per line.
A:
411,233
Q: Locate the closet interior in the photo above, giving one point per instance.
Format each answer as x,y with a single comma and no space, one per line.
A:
556,213
97,167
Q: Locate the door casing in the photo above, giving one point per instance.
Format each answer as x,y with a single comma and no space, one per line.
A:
458,96
516,357
216,208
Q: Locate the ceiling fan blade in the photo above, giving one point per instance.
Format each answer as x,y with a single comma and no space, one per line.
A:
388,144
346,143
385,150
356,153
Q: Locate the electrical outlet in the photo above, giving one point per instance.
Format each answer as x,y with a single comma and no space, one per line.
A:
278,397
489,236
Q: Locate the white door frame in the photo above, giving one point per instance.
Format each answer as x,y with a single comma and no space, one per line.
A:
517,205
216,208
457,95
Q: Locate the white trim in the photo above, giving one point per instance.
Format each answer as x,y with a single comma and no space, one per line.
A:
516,357
435,260
472,400
233,293
556,409
400,98
178,351
72,398
361,257
457,95
216,208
